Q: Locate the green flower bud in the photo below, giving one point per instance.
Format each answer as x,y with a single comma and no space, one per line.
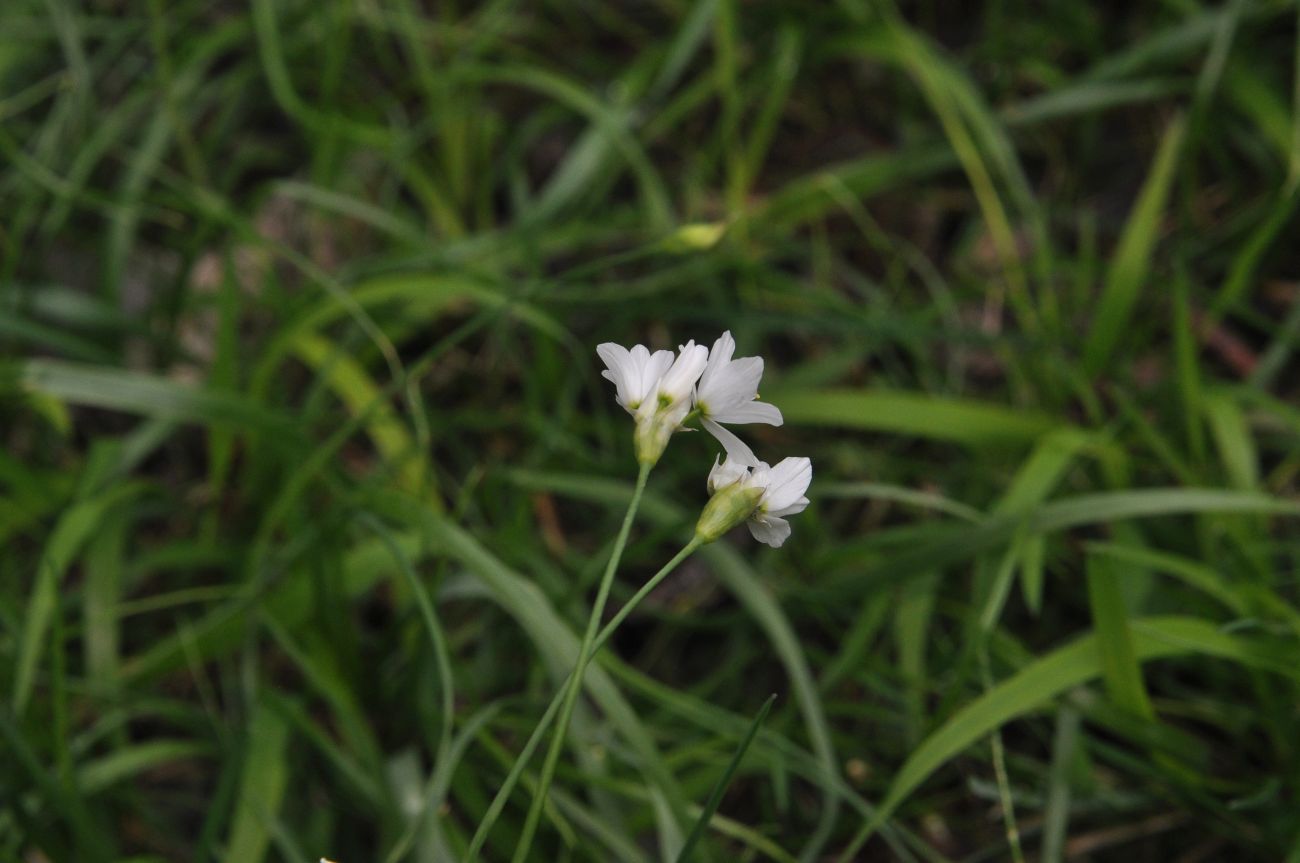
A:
729,507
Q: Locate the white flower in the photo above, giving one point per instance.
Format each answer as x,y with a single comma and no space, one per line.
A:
635,373
655,389
757,494
676,386
726,394
783,494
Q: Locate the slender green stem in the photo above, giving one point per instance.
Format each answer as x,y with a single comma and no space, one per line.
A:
512,778
1000,767
575,680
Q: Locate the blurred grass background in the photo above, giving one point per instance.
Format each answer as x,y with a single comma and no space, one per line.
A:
298,308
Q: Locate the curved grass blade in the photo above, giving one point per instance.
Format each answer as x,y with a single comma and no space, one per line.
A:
95,776
951,544
77,525
962,421
147,395
354,387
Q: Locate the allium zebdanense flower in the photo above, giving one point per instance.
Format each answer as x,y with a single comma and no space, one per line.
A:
727,393
757,494
635,373
655,389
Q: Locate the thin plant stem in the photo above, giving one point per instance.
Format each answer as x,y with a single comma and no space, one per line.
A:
525,755
574,685
1000,767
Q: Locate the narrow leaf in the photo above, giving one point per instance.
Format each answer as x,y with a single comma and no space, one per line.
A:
1132,262
715,796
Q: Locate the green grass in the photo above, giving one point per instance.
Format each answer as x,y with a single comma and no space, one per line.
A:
308,475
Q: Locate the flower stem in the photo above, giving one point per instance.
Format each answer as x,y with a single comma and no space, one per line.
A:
525,755
575,680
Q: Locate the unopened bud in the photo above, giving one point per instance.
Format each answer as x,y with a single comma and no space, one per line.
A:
726,509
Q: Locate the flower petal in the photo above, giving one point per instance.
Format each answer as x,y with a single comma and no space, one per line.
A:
679,381
769,530
733,385
719,357
656,366
725,473
750,412
735,447
788,482
621,370
798,506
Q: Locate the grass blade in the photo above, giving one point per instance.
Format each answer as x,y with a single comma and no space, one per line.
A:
715,796
76,526
147,395
1044,679
1056,816
1129,268
962,421
261,787
738,577
1119,666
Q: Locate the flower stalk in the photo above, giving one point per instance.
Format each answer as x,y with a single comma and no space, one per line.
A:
530,747
574,685
663,393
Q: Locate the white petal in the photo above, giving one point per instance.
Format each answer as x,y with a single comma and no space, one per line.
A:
769,530
733,385
723,348
734,446
613,354
798,506
652,372
638,356
726,473
789,481
679,381
750,412
621,370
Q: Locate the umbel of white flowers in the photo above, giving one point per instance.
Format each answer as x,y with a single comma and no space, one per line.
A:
662,393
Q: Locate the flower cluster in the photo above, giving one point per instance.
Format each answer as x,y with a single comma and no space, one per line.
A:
664,393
